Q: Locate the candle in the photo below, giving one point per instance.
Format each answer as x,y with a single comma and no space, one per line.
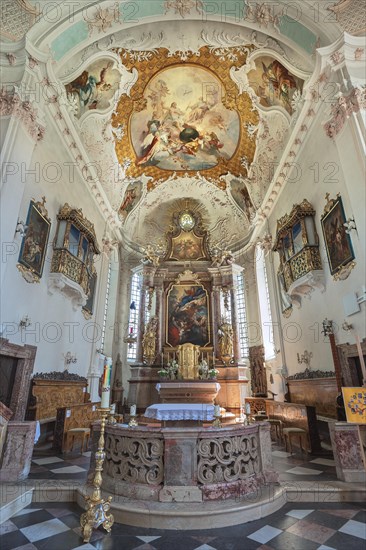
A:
247,408
133,410
113,408
217,410
106,387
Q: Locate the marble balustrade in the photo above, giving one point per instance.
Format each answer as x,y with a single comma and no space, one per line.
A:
191,464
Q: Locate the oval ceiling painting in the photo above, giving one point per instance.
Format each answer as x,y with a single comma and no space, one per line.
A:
184,124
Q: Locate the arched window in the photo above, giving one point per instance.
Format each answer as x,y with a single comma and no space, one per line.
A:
242,316
105,312
264,305
133,321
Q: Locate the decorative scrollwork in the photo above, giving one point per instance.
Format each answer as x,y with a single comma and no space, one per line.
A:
225,459
135,460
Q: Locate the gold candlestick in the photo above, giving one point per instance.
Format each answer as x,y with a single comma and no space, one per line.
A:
97,507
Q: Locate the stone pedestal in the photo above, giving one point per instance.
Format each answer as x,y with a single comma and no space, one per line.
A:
18,451
349,452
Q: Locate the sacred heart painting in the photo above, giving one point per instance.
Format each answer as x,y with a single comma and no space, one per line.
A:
187,315
184,125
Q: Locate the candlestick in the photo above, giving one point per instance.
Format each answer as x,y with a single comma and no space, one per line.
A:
106,387
97,507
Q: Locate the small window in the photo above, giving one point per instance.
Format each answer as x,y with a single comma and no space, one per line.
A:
74,237
297,237
84,250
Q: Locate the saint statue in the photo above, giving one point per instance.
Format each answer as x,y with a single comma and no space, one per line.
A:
226,349
149,341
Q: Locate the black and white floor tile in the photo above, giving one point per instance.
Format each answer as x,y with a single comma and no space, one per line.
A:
297,526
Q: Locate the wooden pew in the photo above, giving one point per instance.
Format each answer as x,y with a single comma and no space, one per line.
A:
74,416
295,415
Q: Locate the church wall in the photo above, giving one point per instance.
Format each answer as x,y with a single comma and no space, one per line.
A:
340,170
55,327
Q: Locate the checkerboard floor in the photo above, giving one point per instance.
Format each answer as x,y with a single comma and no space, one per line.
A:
297,526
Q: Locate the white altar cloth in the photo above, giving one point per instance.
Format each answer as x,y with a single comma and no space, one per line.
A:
180,411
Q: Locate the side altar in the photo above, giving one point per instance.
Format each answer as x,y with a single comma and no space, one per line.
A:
188,334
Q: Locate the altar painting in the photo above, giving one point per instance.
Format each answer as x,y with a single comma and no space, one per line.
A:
273,83
184,125
187,315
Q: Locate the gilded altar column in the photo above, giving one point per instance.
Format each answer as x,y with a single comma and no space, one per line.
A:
159,314
147,282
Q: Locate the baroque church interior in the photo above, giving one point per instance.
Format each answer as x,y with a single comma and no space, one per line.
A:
183,274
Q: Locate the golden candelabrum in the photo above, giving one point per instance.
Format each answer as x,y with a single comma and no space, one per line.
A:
97,507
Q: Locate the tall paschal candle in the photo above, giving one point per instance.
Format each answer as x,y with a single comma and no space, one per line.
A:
106,387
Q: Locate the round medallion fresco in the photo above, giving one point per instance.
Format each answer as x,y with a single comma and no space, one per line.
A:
184,125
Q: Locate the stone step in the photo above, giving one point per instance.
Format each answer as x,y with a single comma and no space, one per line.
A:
13,498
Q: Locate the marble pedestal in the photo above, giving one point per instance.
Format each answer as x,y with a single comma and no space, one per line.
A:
18,451
348,443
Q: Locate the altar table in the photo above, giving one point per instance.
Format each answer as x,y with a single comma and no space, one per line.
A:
180,411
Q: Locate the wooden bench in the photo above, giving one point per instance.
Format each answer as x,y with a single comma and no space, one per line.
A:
295,415
74,417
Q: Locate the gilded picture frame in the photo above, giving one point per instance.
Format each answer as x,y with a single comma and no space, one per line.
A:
187,315
33,249
337,241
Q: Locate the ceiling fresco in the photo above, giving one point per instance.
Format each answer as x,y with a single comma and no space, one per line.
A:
185,125
94,88
274,84
184,118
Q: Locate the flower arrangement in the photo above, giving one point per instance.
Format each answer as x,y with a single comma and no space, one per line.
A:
212,373
163,373
170,371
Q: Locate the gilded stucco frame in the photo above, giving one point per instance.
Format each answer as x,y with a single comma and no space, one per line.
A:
148,68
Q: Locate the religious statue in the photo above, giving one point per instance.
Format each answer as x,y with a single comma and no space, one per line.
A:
150,256
221,257
149,341
188,355
226,348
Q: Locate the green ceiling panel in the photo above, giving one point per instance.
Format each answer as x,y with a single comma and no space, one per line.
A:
69,38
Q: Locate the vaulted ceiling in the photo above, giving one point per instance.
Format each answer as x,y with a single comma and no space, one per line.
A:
181,100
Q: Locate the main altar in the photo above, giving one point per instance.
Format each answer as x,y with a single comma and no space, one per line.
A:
187,339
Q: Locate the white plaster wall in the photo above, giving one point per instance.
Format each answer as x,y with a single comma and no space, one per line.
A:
55,327
341,170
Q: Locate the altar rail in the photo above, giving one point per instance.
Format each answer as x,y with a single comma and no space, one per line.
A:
74,416
186,464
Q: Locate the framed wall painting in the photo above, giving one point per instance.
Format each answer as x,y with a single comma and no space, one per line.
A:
187,315
337,242
355,404
34,244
